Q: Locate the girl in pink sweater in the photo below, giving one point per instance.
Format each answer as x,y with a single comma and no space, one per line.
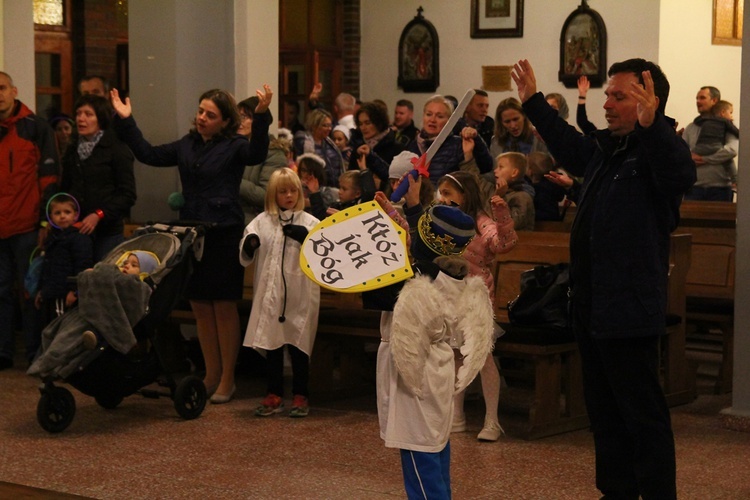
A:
495,234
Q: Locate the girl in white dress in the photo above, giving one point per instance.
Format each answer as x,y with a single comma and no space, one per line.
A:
285,301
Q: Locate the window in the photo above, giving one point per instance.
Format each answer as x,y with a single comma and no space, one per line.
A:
727,27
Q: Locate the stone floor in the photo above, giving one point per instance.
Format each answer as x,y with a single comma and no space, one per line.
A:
144,450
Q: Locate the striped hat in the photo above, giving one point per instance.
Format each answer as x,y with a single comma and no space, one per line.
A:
443,231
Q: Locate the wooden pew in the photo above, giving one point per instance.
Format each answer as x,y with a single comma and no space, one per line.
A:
710,285
557,404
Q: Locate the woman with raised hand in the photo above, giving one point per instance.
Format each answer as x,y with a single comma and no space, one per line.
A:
211,159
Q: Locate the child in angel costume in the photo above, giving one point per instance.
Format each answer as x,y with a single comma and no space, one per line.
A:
415,375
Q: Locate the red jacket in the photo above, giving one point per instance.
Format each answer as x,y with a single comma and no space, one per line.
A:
28,171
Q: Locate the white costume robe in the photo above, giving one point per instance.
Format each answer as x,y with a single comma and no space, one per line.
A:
264,330
415,373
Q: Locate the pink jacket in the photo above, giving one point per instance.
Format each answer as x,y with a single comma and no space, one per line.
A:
493,237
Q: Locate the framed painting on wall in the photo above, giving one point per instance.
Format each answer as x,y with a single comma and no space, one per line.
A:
583,48
496,18
418,56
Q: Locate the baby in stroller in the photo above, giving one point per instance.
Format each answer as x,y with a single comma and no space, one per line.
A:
112,298
140,263
122,301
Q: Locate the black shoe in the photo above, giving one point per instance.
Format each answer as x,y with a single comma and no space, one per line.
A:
6,363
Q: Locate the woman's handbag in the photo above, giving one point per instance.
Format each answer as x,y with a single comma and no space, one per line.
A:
543,300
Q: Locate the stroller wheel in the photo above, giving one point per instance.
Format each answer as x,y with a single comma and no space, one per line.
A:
108,402
56,409
190,397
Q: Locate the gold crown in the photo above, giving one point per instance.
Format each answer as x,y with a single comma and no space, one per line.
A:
442,245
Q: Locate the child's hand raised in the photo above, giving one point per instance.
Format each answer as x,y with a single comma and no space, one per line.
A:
501,186
497,201
311,182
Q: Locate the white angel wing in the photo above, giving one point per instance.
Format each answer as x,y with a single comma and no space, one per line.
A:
476,320
417,322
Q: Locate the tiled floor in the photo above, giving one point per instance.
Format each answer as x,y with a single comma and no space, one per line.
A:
144,450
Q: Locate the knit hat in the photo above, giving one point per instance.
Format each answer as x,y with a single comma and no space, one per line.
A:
344,130
60,118
443,231
148,261
401,164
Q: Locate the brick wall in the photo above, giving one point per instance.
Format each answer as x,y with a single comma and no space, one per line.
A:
97,30
352,40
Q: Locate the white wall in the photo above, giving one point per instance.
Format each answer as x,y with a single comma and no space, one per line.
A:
254,67
175,55
691,62
462,57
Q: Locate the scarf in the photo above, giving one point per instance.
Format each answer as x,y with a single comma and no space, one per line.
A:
86,146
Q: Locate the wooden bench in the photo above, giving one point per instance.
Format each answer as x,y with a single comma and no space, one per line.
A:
557,404
710,286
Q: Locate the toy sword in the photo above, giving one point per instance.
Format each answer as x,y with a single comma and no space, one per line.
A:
422,163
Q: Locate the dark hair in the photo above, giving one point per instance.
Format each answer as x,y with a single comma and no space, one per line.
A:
88,78
61,198
405,102
469,188
481,92
452,100
501,132
289,102
378,116
637,67
713,92
227,106
248,105
101,107
314,168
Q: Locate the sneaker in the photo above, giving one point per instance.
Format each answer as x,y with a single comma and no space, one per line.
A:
299,407
459,424
89,340
271,404
491,431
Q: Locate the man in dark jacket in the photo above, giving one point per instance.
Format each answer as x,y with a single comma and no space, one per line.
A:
476,116
28,176
635,174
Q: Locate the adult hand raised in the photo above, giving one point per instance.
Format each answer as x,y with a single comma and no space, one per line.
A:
647,100
123,109
583,85
523,74
264,98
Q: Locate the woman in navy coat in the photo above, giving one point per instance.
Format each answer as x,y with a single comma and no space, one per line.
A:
211,159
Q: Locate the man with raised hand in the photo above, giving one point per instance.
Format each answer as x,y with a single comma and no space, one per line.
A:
635,174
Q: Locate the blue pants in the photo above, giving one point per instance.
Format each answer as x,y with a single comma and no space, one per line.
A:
14,262
427,475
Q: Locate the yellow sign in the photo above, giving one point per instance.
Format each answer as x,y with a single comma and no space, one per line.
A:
356,250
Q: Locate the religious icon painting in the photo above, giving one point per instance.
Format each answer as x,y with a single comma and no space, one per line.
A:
583,47
418,56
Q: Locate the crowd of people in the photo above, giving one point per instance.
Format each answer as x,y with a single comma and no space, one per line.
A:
70,185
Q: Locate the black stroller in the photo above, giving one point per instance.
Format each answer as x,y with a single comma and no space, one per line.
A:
107,374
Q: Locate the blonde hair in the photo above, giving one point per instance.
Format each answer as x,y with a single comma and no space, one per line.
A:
283,178
440,100
517,161
354,177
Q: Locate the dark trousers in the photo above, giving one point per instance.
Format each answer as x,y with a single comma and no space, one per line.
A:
300,371
14,262
630,420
